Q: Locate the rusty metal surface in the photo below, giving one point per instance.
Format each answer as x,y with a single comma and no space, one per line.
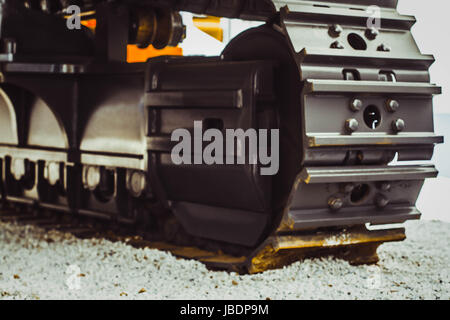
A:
358,246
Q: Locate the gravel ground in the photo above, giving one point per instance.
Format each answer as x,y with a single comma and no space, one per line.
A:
39,265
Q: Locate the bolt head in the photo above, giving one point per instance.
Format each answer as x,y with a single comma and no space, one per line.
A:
92,177
18,168
335,203
356,105
384,48
351,125
381,201
372,33
398,125
52,170
385,186
45,6
337,45
335,30
137,183
392,105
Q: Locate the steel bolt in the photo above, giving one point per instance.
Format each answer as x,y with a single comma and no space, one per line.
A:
335,30
337,45
45,6
385,186
137,183
335,203
392,105
92,177
18,168
372,33
51,173
384,48
398,125
351,125
381,201
356,105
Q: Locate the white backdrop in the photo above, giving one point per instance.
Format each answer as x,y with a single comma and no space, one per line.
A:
432,34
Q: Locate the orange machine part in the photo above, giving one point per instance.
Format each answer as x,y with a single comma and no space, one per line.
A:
134,54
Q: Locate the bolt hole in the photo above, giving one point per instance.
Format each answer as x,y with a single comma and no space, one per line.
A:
356,42
351,74
372,117
359,193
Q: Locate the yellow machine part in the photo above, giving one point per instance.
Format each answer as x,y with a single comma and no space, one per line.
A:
210,25
135,54
356,245
207,24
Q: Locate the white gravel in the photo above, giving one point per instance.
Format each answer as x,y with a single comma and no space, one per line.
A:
39,265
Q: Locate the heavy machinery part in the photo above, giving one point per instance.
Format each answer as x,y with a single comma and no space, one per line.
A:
357,246
8,122
119,25
210,25
345,99
160,28
134,53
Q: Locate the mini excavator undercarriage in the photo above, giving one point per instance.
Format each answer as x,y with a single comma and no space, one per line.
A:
84,132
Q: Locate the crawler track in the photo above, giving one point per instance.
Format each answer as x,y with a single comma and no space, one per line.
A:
355,246
84,132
